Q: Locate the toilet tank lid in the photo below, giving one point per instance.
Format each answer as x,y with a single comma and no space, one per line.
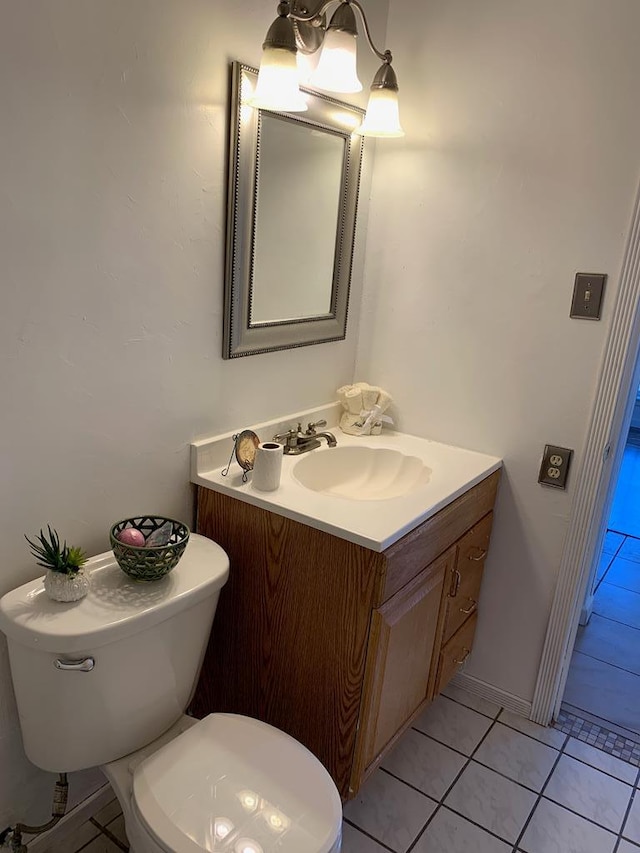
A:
116,606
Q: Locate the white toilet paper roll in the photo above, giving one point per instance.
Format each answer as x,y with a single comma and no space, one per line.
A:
267,466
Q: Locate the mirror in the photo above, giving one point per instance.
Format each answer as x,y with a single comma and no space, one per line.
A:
291,217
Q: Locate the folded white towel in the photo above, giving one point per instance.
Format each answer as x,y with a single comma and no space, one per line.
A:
351,398
364,406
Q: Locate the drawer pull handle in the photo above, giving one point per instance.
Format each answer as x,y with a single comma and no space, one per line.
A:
472,606
465,654
455,584
84,665
483,553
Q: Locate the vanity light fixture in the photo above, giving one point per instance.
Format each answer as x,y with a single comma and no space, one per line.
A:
298,28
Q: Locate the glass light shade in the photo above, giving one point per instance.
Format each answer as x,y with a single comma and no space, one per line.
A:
336,71
382,117
277,87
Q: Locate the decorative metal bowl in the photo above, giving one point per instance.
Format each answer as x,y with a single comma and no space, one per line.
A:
151,561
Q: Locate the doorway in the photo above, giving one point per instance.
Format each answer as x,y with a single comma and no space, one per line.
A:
602,458
603,683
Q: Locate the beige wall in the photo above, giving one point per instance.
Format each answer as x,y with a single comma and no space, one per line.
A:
519,168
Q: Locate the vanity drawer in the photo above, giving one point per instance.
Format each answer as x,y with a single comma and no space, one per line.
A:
409,556
466,577
455,652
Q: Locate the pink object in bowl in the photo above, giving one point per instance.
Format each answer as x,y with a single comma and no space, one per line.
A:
131,536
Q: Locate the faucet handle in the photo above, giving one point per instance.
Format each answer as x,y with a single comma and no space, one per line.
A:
287,436
311,428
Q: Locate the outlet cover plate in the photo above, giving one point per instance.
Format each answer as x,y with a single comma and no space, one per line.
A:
588,291
555,466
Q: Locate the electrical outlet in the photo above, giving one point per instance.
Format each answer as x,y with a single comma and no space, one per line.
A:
555,466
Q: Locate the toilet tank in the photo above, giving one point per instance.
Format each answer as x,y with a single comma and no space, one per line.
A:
101,677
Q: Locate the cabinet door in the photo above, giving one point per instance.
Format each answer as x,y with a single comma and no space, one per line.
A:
401,645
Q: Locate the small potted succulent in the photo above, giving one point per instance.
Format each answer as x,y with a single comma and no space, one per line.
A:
65,579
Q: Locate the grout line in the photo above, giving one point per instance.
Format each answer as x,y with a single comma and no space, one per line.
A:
469,708
624,819
539,798
532,737
409,785
451,786
97,835
608,662
435,739
610,618
106,831
599,769
368,834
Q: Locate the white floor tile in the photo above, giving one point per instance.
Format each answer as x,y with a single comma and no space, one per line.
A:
610,641
451,833
496,803
101,844
75,840
424,763
471,700
517,756
390,811
589,792
618,604
116,827
108,813
602,760
604,690
453,724
628,847
354,841
632,826
546,734
612,542
553,829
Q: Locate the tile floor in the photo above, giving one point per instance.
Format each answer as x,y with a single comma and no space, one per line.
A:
604,676
469,777
103,833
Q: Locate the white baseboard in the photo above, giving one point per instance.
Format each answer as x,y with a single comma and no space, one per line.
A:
493,694
72,820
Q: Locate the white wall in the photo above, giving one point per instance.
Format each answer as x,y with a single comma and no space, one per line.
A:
519,168
112,244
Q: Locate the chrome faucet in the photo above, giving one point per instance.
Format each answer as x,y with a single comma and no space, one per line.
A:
296,441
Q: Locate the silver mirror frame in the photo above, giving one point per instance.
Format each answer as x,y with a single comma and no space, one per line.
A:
324,113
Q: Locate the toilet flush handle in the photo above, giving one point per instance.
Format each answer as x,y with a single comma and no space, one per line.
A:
84,665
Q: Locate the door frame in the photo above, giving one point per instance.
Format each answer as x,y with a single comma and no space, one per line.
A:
609,423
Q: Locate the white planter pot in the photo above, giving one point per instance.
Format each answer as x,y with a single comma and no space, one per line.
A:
61,587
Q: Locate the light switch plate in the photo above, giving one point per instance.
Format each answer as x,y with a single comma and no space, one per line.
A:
555,466
588,291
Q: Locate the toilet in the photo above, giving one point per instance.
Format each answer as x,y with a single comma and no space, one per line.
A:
106,681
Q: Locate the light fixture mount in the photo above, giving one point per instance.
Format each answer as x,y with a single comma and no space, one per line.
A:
280,34
303,27
385,77
311,24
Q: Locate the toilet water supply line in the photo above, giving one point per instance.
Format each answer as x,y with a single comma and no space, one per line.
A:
12,836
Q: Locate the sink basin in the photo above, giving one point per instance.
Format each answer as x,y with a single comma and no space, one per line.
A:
361,473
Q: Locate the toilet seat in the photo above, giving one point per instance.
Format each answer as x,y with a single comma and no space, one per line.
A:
232,783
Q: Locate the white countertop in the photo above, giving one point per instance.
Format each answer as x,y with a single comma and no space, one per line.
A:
375,524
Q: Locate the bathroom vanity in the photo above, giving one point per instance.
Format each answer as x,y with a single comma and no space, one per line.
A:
334,636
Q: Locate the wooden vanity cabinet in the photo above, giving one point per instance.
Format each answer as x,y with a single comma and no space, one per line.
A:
338,645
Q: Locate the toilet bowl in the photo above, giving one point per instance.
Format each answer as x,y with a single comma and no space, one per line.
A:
106,681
